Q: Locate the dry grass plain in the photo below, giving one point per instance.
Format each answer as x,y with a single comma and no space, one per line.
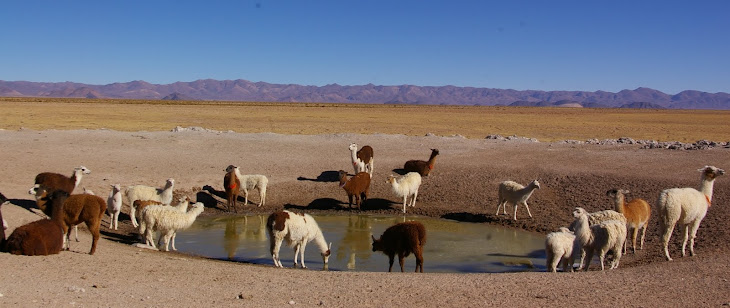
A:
545,124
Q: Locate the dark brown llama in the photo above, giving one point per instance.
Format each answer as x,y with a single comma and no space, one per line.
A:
402,239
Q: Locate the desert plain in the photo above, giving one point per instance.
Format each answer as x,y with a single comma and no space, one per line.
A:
299,146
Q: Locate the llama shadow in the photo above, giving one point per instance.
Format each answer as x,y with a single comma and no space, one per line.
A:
29,205
469,217
325,176
319,204
400,171
205,196
128,239
334,204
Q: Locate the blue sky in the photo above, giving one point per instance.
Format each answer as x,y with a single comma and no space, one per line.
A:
670,46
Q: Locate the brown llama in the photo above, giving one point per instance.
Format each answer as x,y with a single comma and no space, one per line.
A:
402,239
422,167
357,186
232,185
637,213
39,238
79,208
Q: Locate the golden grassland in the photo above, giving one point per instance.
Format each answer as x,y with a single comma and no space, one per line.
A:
543,123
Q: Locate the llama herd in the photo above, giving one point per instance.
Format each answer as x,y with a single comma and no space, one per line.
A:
607,231
603,233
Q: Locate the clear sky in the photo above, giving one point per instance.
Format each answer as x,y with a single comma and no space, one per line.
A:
586,45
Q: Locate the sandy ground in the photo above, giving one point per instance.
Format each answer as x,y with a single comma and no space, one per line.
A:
463,186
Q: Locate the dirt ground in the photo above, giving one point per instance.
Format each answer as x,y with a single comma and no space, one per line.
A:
301,171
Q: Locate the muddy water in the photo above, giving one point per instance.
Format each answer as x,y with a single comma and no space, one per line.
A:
451,246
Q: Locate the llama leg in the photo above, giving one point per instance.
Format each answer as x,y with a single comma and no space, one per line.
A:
415,195
349,197
405,198
94,229
515,216
419,261
262,195
552,260
390,262
150,237
274,246
589,256
132,210
500,204
76,232
665,240
686,237
643,232
116,220
528,209
174,234
634,234
602,257
692,236
401,260
304,246
296,254
245,197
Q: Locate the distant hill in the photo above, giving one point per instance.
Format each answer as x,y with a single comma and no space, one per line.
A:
243,90
177,97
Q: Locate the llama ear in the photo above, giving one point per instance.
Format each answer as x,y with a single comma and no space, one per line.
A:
374,240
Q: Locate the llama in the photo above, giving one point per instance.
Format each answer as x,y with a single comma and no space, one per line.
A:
114,206
608,235
686,206
55,181
357,186
362,160
39,238
232,187
402,239
637,213
143,192
298,230
596,218
155,210
406,186
422,167
559,249
168,221
79,208
515,193
40,191
251,181
3,199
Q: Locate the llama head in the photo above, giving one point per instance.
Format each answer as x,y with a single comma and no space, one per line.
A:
579,211
377,244
230,168
170,182
81,170
326,254
353,146
390,180
116,187
711,172
434,152
536,183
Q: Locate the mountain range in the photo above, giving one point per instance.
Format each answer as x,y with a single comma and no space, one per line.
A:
243,90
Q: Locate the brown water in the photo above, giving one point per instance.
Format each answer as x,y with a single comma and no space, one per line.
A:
451,246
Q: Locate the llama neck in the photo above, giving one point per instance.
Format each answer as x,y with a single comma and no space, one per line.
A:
618,202
354,154
76,177
396,187
583,231
237,172
706,187
343,181
432,160
321,242
528,190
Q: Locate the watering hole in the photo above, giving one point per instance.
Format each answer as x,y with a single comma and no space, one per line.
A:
451,246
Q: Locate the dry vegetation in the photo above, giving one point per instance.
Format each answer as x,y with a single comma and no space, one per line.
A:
545,124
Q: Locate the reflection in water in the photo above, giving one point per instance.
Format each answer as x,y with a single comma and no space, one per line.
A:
451,246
